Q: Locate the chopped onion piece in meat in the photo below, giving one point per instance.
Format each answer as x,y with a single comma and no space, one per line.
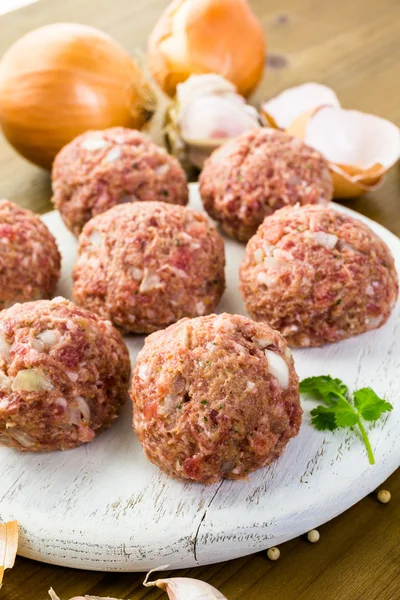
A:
185,336
161,169
31,380
5,382
96,239
137,273
37,345
84,408
49,337
150,281
263,342
278,368
223,323
328,240
23,438
4,348
142,372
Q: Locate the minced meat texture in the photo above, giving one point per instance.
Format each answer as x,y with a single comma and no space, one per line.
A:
100,169
64,374
257,173
318,276
29,258
148,264
215,397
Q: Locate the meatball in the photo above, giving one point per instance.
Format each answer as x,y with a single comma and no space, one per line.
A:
318,276
257,173
148,264
215,397
29,258
100,169
64,373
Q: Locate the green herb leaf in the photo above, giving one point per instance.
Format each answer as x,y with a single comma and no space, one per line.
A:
323,418
345,415
369,405
324,387
339,411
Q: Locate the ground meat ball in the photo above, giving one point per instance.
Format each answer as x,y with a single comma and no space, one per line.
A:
215,397
148,264
100,169
257,173
64,374
318,276
29,258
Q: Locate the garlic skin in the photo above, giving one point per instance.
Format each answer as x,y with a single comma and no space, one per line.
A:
207,111
282,110
177,588
360,148
8,546
184,588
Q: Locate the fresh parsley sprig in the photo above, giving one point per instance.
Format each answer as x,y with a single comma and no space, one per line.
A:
339,411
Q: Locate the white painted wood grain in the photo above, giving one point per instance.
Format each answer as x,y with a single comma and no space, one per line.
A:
103,506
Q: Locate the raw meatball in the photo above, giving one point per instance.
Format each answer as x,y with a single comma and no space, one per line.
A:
148,264
318,276
100,169
215,397
258,172
64,374
29,258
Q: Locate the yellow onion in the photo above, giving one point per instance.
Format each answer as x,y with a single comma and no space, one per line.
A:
360,148
207,36
206,112
63,79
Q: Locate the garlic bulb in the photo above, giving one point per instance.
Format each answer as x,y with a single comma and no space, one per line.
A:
184,588
207,111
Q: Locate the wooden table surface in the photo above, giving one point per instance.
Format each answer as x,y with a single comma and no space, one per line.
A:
352,46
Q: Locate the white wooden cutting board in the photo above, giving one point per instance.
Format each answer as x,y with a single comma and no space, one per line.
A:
103,506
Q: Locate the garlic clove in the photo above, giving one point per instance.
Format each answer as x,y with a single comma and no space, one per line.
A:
359,147
208,84
8,546
282,110
207,112
215,118
278,368
184,588
54,596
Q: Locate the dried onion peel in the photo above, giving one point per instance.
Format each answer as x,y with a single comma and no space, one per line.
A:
359,147
184,588
8,546
207,36
63,79
282,110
